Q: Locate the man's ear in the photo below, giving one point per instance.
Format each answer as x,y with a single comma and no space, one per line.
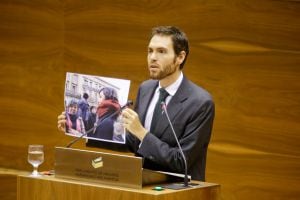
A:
180,58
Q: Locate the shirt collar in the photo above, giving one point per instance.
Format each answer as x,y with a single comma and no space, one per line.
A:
172,89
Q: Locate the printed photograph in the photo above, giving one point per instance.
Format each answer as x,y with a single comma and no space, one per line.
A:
93,105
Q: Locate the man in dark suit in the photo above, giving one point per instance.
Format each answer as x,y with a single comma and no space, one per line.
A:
190,108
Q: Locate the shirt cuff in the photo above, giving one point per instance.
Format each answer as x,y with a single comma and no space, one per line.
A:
143,140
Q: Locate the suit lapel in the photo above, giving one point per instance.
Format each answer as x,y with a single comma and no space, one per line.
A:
174,107
146,97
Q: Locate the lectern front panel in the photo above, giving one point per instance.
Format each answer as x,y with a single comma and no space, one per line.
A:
114,169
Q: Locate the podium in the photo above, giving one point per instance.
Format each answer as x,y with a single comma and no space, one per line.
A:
89,175
107,168
20,185
49,188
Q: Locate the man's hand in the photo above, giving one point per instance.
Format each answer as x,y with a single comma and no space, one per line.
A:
132,123
61,122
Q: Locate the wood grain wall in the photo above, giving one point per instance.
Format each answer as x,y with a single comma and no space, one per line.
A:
246,53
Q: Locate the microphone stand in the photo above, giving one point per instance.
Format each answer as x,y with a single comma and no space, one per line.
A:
186,179
129,103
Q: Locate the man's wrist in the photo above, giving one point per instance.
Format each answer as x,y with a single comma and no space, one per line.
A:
141,134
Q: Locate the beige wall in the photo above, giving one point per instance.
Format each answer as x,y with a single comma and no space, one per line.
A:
246,53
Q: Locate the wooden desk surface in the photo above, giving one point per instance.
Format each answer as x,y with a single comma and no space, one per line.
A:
49,187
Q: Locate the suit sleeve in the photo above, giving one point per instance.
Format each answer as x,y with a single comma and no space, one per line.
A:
197,123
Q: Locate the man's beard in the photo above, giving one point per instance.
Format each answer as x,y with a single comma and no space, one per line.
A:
166,71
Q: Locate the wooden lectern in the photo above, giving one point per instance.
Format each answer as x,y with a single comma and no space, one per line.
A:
88,175
51,188
107,168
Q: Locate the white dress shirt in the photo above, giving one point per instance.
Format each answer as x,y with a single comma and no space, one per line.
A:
171,89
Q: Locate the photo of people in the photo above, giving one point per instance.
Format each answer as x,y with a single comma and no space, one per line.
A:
93,106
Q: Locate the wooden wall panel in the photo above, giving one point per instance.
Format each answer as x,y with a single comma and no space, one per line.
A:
31,62
246,53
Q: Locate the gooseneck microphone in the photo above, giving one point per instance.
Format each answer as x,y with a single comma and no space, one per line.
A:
128,103
186,179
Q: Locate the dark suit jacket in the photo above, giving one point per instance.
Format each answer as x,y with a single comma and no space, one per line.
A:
191,112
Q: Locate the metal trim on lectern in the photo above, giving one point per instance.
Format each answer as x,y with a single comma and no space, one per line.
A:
107,168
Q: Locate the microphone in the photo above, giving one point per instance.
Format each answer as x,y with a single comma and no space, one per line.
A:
186,179
128,103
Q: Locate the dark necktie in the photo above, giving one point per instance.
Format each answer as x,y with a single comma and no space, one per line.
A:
158,110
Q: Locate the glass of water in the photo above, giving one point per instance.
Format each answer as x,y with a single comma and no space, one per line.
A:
35,157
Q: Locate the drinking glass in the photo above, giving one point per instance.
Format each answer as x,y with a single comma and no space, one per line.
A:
35,157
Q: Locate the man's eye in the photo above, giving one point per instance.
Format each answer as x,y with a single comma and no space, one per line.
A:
161,51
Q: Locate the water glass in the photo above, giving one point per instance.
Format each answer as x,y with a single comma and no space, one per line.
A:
35,157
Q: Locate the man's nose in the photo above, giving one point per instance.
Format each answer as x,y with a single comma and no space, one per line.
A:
153,56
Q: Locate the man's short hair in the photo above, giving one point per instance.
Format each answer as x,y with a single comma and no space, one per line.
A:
85,95
179,39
